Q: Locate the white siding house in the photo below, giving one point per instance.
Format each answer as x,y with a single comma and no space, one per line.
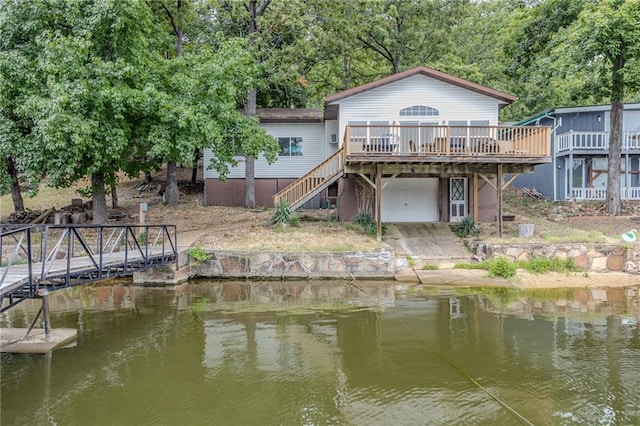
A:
426,144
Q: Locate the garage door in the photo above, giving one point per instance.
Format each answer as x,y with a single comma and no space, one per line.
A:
410,200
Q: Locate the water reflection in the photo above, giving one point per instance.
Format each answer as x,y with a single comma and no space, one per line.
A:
330,353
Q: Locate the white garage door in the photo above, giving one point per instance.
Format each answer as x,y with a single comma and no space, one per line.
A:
410,200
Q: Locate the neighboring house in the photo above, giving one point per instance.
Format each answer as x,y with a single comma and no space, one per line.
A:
580,153
417,146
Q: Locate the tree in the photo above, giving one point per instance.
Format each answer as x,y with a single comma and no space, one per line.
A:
95,57
256,10
606,41
177,13
20,25
539,77
270,29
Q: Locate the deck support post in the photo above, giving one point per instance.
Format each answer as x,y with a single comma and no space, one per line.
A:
499,191
475,197
379,202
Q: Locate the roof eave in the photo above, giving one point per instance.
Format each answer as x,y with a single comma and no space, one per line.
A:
428,72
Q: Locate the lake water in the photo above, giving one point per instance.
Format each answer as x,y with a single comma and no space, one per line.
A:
329,353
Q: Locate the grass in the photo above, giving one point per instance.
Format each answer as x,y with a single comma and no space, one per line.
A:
503,267
544,231
46,198
429,267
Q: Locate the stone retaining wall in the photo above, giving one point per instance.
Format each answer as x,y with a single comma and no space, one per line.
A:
373,264
378,264
590,257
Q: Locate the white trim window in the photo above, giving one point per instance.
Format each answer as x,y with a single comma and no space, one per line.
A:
290,146
419,111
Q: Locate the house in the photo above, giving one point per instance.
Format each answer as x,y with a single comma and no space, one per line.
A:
417,146
580,153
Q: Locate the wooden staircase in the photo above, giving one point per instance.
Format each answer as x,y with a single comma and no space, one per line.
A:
309,185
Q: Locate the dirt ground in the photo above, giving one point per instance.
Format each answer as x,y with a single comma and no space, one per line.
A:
235,228
575,280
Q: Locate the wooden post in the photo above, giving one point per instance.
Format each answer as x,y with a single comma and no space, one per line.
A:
379,201
44,294
499,190
143,213
475,197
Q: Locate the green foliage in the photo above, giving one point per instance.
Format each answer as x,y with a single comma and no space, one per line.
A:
541,265
198,255
466,228
284,215
497,266
429,267
411,262
367,224
463,265
142,238
500,266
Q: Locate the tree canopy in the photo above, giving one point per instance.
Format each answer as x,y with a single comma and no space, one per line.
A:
95,88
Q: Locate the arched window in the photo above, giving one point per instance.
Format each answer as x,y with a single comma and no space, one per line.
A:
419,111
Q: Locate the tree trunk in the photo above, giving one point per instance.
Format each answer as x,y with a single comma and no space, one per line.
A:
194,171
615,154
99,198
255,11
114,195
147,177
249,161
613,205
346,69
171,191
16,193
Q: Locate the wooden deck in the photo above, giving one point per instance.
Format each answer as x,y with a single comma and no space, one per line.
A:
426,151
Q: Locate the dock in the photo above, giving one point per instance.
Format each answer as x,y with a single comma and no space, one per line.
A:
13,340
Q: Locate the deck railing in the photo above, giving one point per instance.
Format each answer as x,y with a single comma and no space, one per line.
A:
571,141
407,140
600,194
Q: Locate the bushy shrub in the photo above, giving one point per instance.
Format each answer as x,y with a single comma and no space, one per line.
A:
541,265
283,215
536,265
466,228
198,255
368,224
501,266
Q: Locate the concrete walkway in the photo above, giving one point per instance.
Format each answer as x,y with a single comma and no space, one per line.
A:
426,243
432,243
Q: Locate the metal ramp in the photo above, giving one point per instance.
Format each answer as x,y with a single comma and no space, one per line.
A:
52,257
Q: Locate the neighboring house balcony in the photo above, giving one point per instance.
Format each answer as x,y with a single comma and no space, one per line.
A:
595,142
600,194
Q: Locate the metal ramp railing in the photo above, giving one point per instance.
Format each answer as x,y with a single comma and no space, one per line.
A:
52,257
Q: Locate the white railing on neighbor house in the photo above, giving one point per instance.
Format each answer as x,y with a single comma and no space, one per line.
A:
572,140
600,194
